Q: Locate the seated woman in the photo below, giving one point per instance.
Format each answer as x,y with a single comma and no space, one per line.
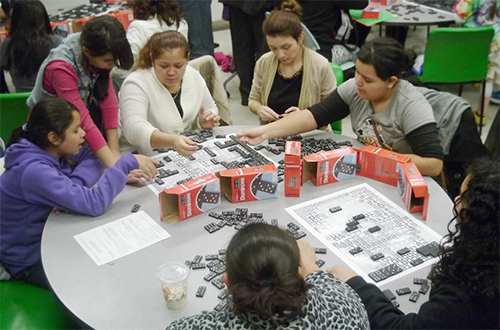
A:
78,71
29,29
275,284
386,111
154,16
165,97
465,290
46,168
290,77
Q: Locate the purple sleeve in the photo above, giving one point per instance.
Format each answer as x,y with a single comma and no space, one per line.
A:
43,184
88,168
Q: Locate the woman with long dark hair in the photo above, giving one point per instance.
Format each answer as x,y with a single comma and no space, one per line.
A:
78,71
465,290
31,39
274,283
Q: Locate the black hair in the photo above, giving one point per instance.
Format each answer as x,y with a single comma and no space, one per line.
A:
387,56
262,264
284,22
51,114
103,35
469,253
168,11
30,37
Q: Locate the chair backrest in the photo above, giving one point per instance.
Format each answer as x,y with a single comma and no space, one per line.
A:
339,75
13,112
456,55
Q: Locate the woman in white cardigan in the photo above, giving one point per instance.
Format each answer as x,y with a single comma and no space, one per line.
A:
164,97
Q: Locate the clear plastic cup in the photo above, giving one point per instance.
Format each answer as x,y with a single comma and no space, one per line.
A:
173,277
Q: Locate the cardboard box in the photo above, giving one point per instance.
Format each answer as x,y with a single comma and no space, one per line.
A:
190,198
4,34
330,166
412,188
79,23
250,183
61,28
125,17
293,168
380,164
386,2
371,12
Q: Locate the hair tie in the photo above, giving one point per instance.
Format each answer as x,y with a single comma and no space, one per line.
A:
25,127
287,9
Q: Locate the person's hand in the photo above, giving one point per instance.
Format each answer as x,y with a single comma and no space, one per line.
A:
57,211
208,119
267,114
290,110
307,259
253,136
342,272
184,145
147,165
137,177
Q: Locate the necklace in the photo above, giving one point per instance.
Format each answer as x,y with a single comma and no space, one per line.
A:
293,75
176,94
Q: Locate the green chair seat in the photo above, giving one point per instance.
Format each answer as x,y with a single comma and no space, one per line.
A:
25,306
13,112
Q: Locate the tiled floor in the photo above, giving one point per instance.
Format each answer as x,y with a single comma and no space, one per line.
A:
241,115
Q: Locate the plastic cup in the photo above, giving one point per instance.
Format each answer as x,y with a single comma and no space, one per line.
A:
173,277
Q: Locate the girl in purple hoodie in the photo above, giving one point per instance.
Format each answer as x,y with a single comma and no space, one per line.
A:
47,168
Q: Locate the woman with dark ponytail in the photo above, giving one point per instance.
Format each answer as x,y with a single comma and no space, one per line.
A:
46,168
386,110
465,290
274,283
29,29
78,71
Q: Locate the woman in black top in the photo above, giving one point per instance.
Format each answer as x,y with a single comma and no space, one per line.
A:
465,281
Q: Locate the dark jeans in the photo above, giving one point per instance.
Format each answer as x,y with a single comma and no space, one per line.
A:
249,44
198,14
34,275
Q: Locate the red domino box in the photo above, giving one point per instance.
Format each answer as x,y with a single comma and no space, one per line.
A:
386,2
371,12
79,23
293,168
62,29
190,198
330,166
380,164
125,17
3,35
249,183
412,188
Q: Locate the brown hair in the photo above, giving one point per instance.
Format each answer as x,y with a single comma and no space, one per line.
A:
284,22
168,11
158,43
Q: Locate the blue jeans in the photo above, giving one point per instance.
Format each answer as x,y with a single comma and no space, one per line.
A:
198,14
35,275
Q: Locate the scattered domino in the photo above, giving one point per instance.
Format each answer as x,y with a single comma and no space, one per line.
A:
414,296
201,291
403,291
210,276
424,288
417,280
136,208
320,263
320,250
388,293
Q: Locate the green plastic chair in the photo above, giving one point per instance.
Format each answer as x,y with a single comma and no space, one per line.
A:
339,75
457,56
13,112
25,306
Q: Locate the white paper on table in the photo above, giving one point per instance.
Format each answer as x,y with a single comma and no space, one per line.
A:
121,237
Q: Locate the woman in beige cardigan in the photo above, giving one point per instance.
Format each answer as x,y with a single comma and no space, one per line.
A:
290,77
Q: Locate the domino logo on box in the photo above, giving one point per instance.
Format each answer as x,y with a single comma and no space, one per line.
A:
412,188
293,168
380,164
250,183
190,198
330,166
